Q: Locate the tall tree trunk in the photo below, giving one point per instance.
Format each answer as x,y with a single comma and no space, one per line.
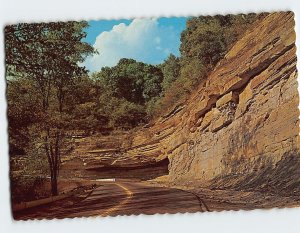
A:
52,149
54,188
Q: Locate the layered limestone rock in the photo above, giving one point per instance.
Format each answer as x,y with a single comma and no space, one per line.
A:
243,120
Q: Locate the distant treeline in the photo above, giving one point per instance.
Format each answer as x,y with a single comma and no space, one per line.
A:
132,93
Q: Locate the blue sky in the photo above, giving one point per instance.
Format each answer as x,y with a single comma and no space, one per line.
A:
147,40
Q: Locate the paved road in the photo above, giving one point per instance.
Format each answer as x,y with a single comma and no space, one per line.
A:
120,199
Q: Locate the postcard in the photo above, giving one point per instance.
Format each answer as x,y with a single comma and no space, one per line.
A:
153,115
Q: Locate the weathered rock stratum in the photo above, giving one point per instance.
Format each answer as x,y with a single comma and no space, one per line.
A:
240,129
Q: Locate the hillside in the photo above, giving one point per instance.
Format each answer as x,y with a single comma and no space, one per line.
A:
239,130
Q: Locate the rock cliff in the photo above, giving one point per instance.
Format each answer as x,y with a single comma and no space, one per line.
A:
240,129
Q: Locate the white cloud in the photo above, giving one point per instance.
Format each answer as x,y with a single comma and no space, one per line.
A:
143,40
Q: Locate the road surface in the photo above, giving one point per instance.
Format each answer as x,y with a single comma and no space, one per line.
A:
119,198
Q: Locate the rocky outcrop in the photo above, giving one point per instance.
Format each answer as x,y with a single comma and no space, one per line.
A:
102,157
240,129
244,121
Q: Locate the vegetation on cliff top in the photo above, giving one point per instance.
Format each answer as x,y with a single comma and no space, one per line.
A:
132,92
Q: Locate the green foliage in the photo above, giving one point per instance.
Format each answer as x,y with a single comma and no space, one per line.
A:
128,115
23,111
42,61
135,81
208,38
157,89
28,188
170,68
124,91
35,48
203,44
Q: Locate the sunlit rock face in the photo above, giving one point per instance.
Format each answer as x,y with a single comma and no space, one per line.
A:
240,127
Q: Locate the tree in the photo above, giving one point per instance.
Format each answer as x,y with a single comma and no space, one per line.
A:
137,82
48,54
23,111
125,90
170,69
208,38
204,42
